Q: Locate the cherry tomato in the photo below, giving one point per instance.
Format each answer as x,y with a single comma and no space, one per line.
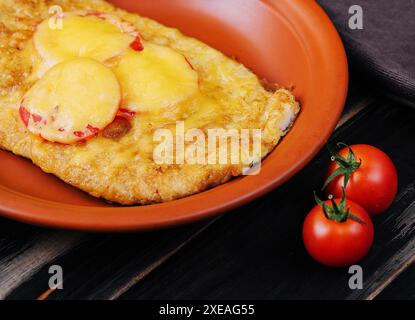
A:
371,174
338,238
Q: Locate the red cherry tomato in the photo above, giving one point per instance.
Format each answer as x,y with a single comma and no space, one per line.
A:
373,184
334,243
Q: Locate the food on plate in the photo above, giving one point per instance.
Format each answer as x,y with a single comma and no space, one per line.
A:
369,174
338,233
86,98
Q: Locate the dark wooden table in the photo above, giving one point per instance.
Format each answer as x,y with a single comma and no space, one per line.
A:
254,252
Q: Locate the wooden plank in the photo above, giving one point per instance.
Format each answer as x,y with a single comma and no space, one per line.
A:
399,262
26,249
388,273
403,288
99,266
13,272
258,253
105,266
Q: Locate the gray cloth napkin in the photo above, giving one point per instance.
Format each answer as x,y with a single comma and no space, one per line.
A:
385,47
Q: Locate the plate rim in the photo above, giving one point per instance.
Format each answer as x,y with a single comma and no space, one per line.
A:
29,209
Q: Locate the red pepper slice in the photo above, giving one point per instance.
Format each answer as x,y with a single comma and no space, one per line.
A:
79,134
136,45
92,129
24,115
36,118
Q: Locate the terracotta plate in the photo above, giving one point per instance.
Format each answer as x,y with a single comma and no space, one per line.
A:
291,42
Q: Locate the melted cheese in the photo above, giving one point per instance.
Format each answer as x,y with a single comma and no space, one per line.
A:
158,82
73,100
99,38
155,79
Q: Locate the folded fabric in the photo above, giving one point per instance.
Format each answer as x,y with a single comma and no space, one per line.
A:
385,47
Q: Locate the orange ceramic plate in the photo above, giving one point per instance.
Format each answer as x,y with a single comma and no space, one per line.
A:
291,42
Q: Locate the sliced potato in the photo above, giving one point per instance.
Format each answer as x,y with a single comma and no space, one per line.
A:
155,78
97,37
73,100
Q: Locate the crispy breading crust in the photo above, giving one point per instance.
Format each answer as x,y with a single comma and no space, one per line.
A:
118,170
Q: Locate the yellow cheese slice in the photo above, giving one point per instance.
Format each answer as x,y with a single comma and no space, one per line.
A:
73,100
155,78
98,37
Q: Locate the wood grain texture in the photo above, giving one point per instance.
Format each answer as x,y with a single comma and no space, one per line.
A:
24,250
15,271
402,288
104,266
401,260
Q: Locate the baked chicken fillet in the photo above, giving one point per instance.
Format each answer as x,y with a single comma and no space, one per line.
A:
84,92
